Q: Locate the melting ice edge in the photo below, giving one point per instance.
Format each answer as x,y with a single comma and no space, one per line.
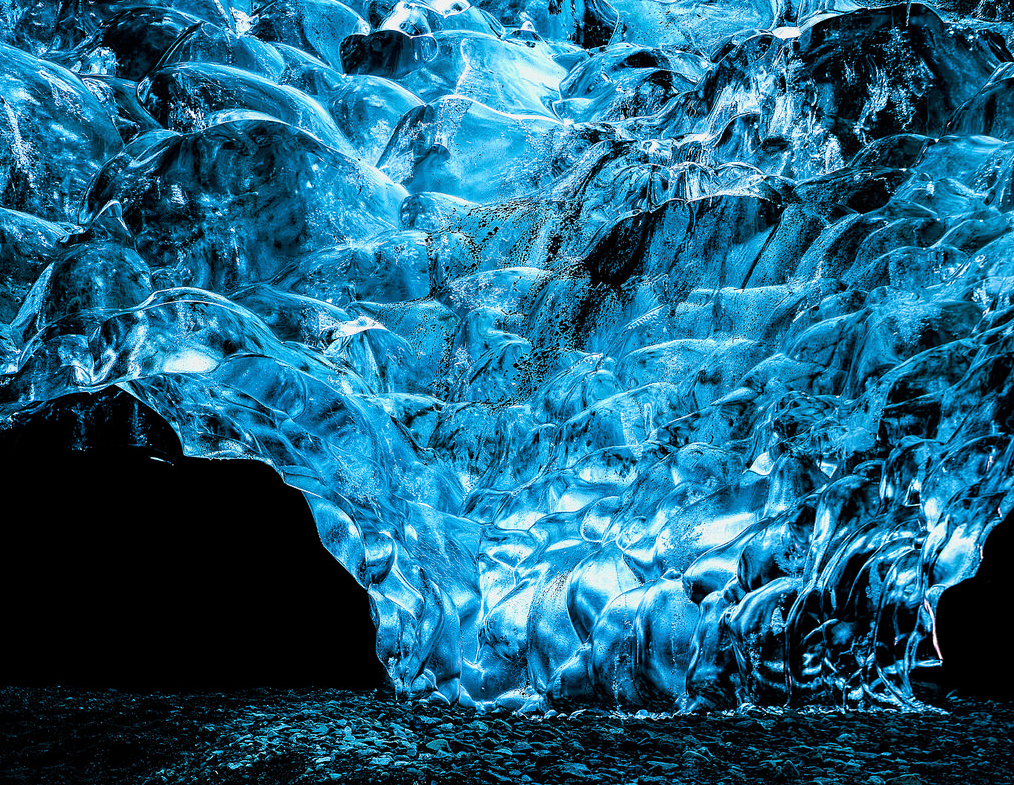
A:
630,353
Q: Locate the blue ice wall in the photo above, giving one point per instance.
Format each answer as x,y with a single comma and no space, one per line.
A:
630,353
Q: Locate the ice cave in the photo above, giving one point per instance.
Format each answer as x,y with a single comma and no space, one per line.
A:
630,354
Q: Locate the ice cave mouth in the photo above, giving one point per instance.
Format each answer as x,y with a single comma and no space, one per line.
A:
629,353
133,566
973,623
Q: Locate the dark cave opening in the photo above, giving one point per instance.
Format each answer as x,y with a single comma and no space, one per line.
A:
974,619
130,565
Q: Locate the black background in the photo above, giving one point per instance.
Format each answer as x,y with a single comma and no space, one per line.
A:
123,563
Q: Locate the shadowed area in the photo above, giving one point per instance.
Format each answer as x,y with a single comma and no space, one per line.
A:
131,565
974,623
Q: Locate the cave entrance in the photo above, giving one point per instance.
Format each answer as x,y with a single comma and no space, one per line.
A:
974,621
126,564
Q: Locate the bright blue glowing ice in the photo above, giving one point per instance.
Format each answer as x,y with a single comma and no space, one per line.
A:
630,353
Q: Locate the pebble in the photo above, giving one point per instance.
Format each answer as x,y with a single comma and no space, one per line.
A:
439,745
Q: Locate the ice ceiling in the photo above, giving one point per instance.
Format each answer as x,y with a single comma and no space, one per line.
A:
631,353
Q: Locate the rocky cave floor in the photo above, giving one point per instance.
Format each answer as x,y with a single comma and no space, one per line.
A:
62,735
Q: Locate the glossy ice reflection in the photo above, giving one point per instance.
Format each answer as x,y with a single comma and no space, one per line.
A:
639,354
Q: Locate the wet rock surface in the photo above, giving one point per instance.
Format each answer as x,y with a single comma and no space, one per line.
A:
57,735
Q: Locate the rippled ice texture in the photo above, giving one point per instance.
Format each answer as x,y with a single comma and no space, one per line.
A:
631,353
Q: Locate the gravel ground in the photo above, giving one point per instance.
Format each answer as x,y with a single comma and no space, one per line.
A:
60,735
108,737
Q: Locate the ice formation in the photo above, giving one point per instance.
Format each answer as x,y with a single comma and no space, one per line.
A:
631,353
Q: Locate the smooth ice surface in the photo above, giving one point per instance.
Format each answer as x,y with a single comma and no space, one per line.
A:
637,354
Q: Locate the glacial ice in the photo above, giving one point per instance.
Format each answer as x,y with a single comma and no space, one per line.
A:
631,353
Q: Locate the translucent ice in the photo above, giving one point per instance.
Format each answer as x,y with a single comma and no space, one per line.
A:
232,203
317,27
55,136
630,353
